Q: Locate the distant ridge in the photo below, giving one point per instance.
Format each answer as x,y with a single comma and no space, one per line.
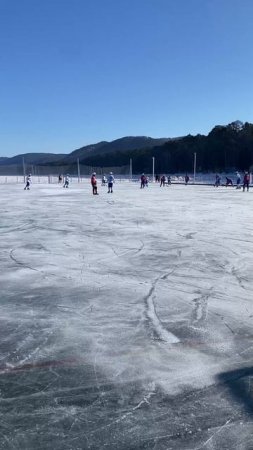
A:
31,158
123,144
225,148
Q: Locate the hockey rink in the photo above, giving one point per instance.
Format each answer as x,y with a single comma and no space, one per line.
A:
127,318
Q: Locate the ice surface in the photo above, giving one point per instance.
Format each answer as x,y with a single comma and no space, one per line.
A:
126,318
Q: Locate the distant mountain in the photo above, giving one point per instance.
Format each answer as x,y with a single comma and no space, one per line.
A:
31,158
121,145
224,148
82,152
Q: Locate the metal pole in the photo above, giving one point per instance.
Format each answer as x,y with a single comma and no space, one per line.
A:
153,158
78,170
131,170
24,168
194,170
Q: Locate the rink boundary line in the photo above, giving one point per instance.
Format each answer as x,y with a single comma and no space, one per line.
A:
8,369
39,365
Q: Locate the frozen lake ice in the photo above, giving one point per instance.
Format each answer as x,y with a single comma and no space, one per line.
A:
126,318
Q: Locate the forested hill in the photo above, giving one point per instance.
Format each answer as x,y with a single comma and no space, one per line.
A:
127,143
224,148
32,158
123,144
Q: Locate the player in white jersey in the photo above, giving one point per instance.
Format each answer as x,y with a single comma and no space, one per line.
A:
66,182
28,182
110,183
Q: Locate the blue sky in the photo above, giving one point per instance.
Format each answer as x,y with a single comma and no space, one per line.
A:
75,72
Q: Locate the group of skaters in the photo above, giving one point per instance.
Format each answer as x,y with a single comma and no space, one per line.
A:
109,181
163,180
144,181
166,181
229,181
66,180
94,183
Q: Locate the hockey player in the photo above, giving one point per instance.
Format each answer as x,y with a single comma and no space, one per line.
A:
28,182
66,181
143,181
93,182
168,180
229,182
163,179
246,180
217,180
104,180
238,180
186,179
110,183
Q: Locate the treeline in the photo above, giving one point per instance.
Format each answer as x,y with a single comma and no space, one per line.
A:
225,148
